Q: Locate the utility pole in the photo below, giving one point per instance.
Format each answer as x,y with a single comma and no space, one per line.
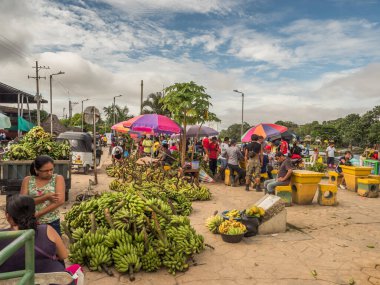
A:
38,95
82,112
142,95
63,113
71,108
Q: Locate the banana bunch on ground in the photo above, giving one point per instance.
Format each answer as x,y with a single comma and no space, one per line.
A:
232,227
131,173
255,211
131,232
213,223
233,214
37,142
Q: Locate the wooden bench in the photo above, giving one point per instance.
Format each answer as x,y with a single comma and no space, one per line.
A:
63,278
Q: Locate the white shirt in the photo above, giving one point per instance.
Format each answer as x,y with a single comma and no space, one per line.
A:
223,148
330,151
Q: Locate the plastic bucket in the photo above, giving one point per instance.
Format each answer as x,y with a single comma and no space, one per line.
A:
195,164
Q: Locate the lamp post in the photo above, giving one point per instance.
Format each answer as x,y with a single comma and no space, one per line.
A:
114,113
82,111
242,112
51,100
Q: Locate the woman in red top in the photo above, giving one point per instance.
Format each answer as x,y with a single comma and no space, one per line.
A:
213,152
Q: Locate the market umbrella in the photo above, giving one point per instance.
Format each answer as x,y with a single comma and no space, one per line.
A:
5,122
200,131
265,130
121,129
153,122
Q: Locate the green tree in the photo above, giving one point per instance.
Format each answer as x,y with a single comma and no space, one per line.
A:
233,131
290,125
33,115
122,114
153,105
189,104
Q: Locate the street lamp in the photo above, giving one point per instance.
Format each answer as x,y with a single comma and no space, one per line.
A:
242,112
82,111
114,113
51,100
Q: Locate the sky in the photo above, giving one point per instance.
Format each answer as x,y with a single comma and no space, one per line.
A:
294,60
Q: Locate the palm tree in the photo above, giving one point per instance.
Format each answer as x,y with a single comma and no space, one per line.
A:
121,113
153,105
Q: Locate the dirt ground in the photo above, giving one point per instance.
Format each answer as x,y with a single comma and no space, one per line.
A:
323,245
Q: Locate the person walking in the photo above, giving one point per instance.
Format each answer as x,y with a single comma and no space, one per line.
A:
47,189
233,156
284,174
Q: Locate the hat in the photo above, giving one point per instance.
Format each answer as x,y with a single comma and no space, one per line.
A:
268,147
164,142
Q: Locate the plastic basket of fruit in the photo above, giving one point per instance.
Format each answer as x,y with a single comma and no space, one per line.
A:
232,238
232,231
231,214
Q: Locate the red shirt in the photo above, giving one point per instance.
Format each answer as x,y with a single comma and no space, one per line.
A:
205,143
284,147
213,149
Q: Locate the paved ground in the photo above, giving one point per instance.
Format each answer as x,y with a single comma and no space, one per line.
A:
340,245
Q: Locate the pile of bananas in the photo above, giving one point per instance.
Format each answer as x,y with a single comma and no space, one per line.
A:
213,223
232,227
37,142
131,231
233,214
146,176
255,211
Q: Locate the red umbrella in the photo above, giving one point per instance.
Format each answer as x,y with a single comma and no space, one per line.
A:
265,130
153,122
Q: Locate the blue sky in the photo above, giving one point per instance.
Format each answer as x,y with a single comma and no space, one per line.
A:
298,60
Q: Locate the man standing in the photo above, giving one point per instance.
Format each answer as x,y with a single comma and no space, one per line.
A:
284,174
233,156
147,144
330,154
205,145
213,150
223,161
253,160
284,146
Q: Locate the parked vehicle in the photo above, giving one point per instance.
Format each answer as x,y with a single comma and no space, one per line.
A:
82,150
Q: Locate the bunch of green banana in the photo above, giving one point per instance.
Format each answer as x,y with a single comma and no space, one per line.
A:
150,261
213,223
98,255
175,261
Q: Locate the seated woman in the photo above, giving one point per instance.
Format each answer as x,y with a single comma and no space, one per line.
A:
49,248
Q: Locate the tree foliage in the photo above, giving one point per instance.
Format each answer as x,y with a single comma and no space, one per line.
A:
154,105
233,131
188,104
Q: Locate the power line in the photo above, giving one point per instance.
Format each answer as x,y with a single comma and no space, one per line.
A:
13,47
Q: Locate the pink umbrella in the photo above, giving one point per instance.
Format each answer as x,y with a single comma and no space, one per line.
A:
153,122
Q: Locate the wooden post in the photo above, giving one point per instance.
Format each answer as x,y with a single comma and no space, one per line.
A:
94,120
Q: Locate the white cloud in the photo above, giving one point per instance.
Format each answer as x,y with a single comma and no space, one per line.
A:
147,7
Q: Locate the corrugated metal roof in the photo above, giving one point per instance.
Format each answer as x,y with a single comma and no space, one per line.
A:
8,94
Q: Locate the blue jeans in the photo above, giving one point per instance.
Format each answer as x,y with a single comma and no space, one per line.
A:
271,184
56,225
